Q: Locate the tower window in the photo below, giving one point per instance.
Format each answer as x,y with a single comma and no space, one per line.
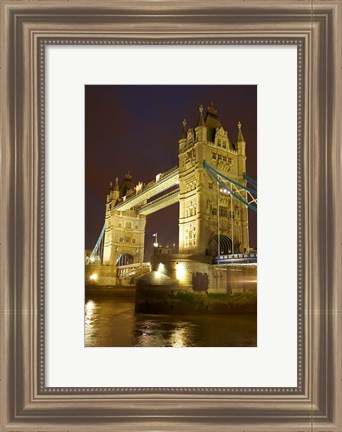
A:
213,155
223,211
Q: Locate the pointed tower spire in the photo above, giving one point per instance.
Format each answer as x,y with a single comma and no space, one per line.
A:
201,121
212,110
240,137
116,191
116,184
183,136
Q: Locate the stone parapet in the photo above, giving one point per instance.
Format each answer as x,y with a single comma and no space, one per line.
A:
97,275
192,274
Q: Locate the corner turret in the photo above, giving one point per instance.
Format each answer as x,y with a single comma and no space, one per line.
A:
116,190
201,130
182,141
240,141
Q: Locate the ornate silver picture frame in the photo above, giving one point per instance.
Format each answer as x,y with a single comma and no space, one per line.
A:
27,28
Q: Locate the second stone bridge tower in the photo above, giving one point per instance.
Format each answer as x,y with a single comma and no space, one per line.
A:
210,220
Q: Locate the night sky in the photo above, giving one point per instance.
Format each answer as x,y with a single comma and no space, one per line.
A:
136,128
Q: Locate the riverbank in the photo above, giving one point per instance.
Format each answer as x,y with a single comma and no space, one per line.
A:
183,302
111,321
175,301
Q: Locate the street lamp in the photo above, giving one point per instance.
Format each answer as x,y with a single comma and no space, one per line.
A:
155,244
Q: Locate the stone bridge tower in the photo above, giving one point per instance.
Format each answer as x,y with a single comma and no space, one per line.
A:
210,220
124,230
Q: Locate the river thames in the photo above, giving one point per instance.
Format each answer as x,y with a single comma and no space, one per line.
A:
110,321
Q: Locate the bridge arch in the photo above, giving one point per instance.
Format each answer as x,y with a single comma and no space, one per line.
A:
124,259
225,245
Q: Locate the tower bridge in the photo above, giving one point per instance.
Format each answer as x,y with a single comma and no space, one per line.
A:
211,186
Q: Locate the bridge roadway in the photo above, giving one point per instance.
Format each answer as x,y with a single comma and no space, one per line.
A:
162,182
233,259
138,269
159,203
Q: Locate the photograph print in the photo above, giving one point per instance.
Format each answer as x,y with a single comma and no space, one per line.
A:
170,216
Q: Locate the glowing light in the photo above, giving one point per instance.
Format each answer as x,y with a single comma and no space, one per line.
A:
89,312
158,177
89,308
160,271
155,244
161,268
93,277
180,272
92,259
225,191
178,338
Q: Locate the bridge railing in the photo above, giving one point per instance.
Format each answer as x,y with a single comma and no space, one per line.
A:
130,270
250,257
163,178
134,265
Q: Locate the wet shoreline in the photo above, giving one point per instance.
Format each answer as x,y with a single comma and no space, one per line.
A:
111,321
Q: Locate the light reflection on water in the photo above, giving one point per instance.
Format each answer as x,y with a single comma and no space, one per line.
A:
110,321
161,331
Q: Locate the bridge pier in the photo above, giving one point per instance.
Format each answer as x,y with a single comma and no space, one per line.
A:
190,274
179,284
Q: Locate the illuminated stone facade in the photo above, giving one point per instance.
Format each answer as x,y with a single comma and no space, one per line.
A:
210,220
206,215
124,230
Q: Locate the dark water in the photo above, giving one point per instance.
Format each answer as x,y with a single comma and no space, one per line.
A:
110,321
